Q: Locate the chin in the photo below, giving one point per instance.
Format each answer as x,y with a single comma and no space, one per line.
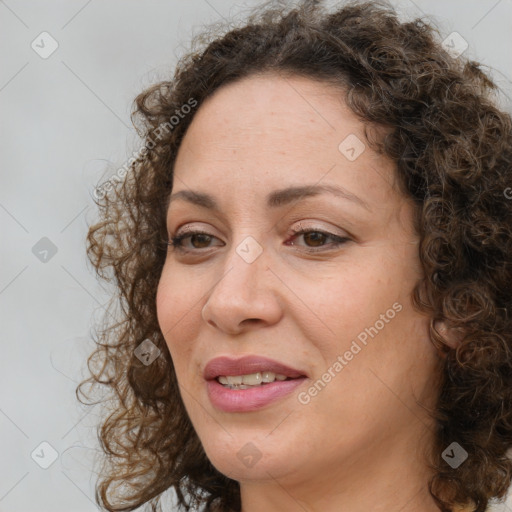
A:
249,456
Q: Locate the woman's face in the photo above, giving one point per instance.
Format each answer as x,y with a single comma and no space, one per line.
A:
333,304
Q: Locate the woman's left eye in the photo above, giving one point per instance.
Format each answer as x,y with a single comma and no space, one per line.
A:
317,237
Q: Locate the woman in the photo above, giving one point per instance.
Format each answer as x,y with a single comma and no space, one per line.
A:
312,254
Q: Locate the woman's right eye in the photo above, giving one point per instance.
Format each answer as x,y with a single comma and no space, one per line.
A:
201,237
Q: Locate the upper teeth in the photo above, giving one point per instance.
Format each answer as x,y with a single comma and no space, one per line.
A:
252,379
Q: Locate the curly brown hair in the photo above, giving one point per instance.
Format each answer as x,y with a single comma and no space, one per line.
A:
452,145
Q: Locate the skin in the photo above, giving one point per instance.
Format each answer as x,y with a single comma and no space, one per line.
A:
360,443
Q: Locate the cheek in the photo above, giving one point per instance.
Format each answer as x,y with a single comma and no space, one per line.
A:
164,307
174,298
174,313
355,297
369,305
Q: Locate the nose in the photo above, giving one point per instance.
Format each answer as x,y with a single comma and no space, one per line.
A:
245,295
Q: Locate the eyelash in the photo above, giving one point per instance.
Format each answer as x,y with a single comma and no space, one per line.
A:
176,241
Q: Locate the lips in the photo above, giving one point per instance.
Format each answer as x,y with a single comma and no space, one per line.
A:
246,365
248,399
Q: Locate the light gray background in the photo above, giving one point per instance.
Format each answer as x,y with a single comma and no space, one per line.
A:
64,127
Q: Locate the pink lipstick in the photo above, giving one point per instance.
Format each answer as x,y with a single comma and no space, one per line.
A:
235,393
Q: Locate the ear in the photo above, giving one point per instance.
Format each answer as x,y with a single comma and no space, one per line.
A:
446,338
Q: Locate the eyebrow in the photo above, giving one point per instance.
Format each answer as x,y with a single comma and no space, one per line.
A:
275,199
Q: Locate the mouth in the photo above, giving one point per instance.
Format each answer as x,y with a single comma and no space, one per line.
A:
249,370
251,380
249,383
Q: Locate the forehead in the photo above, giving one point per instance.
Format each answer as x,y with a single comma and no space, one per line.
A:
262,107
271,131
